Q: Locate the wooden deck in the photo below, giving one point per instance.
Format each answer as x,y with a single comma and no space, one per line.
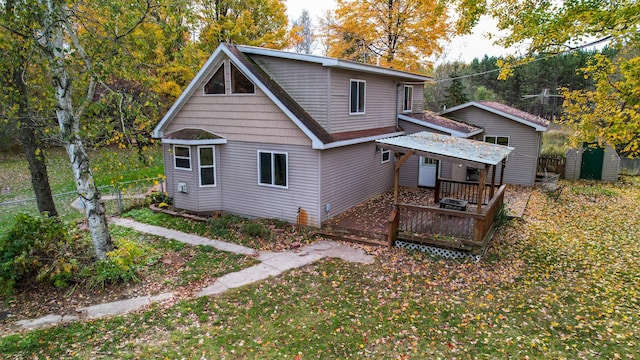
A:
368,222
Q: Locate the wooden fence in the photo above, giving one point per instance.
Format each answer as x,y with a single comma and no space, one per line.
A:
551,164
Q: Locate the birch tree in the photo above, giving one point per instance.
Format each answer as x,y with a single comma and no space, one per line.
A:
55,29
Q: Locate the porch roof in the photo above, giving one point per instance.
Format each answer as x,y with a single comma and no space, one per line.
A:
443,147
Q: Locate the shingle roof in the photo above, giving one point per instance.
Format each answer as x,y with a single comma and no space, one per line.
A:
516,112
506,111
441,123
192,134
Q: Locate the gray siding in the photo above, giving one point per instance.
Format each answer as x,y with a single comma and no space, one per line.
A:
380,102
241,194
573,163
241,117
522,163
352,174
197,199
418,97
307,83
409,170
610,164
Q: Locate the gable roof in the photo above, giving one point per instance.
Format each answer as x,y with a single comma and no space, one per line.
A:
333,62
319,137
430,120
523,117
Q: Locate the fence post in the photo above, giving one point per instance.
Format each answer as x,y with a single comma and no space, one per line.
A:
119,198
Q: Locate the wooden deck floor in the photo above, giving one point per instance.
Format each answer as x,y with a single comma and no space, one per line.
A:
369,219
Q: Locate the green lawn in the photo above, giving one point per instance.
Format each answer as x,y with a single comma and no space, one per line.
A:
563,283
109,167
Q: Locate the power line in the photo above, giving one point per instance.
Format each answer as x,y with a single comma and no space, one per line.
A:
571,49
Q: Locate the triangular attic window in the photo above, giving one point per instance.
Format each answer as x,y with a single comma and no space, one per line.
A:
216,84
240,83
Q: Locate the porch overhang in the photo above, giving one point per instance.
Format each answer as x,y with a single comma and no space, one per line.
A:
189,136
477,154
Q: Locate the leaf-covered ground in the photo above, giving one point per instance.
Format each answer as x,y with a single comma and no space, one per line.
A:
561,284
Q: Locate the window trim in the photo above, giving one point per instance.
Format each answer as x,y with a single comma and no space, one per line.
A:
175,157
406,103
364,102
200,167
231,78
382,153
496,137
273,152
224,74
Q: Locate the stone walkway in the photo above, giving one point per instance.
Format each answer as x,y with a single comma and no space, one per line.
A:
271,264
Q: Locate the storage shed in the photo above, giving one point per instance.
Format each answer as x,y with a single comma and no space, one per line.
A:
592,162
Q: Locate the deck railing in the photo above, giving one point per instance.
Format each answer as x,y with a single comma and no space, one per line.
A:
465,230
463,190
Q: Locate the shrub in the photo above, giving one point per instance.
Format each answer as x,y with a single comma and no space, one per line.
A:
254,229
40,247
120,266
161,198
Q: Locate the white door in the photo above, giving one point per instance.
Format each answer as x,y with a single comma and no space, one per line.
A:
427,172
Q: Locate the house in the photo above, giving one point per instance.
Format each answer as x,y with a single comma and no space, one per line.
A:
504,125
267,133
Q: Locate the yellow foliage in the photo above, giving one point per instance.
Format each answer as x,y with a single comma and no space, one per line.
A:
398,34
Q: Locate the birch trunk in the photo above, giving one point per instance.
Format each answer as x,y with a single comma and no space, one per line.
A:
69,121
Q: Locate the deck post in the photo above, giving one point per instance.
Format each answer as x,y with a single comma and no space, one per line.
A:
483,183
436,191
493,183
396,178
504,163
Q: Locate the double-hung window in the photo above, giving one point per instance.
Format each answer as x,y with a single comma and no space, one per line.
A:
407,104
499,140
273,168
357,97
207,165
182,157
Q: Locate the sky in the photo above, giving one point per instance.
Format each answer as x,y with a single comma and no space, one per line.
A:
461,48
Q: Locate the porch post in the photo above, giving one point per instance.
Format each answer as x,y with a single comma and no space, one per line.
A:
502,171
396,178
493,182
483,183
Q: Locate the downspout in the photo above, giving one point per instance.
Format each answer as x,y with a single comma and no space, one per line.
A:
397,111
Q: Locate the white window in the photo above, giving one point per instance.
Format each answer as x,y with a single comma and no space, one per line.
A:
357,97
273,168
407,104
385,156
207,165
216,85
240,84
499,140
182,157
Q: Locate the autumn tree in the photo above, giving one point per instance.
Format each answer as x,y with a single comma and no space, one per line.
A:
610,112
302,31
20,111
392,33
251,22
76,57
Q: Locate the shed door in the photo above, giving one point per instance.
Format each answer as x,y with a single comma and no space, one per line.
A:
427,172
592,160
